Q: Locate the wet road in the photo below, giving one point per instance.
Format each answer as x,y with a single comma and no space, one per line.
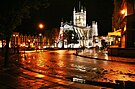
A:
58,66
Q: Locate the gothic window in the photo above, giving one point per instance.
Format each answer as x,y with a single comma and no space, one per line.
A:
79,18
76,19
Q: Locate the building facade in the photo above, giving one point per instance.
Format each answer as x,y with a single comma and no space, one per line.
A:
38,41
79,25
123,22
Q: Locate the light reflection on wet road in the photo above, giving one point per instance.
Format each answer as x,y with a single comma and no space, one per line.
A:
60,64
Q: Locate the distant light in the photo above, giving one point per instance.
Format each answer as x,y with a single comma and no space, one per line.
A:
40,34
28,40
39,47
44,46
40,75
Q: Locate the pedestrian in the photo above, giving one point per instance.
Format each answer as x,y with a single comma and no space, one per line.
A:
97,48
76,52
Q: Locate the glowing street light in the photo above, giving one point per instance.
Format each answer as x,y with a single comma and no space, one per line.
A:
124,12
41,26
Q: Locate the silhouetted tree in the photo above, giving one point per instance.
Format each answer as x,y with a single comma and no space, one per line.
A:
11,14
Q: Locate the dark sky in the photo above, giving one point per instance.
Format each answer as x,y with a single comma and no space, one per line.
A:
97,10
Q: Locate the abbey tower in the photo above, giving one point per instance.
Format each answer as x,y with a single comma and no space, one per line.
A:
78,24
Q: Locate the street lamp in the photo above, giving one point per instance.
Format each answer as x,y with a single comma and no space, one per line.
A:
40,36
124,12
41,26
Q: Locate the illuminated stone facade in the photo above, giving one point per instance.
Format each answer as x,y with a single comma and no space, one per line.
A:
123,21
85,33
37,41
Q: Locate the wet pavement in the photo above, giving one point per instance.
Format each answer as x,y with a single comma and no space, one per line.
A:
103,55
55,70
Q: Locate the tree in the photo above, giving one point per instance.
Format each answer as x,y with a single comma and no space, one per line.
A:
11,14
71,36
54,35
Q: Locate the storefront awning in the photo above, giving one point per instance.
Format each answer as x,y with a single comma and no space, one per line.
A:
115,33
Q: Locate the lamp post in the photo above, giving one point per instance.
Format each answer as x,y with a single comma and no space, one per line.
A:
15,43
40,26
40,35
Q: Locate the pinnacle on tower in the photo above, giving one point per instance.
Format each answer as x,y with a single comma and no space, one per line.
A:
74,8
62,22
84,9
81,8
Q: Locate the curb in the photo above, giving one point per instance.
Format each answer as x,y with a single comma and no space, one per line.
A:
103,59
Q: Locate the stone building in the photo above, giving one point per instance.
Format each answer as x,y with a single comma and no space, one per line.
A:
79,25
32,41
123,22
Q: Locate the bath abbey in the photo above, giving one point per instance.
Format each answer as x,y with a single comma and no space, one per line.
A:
83,32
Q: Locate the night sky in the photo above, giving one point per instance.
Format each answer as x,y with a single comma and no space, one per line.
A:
97,10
